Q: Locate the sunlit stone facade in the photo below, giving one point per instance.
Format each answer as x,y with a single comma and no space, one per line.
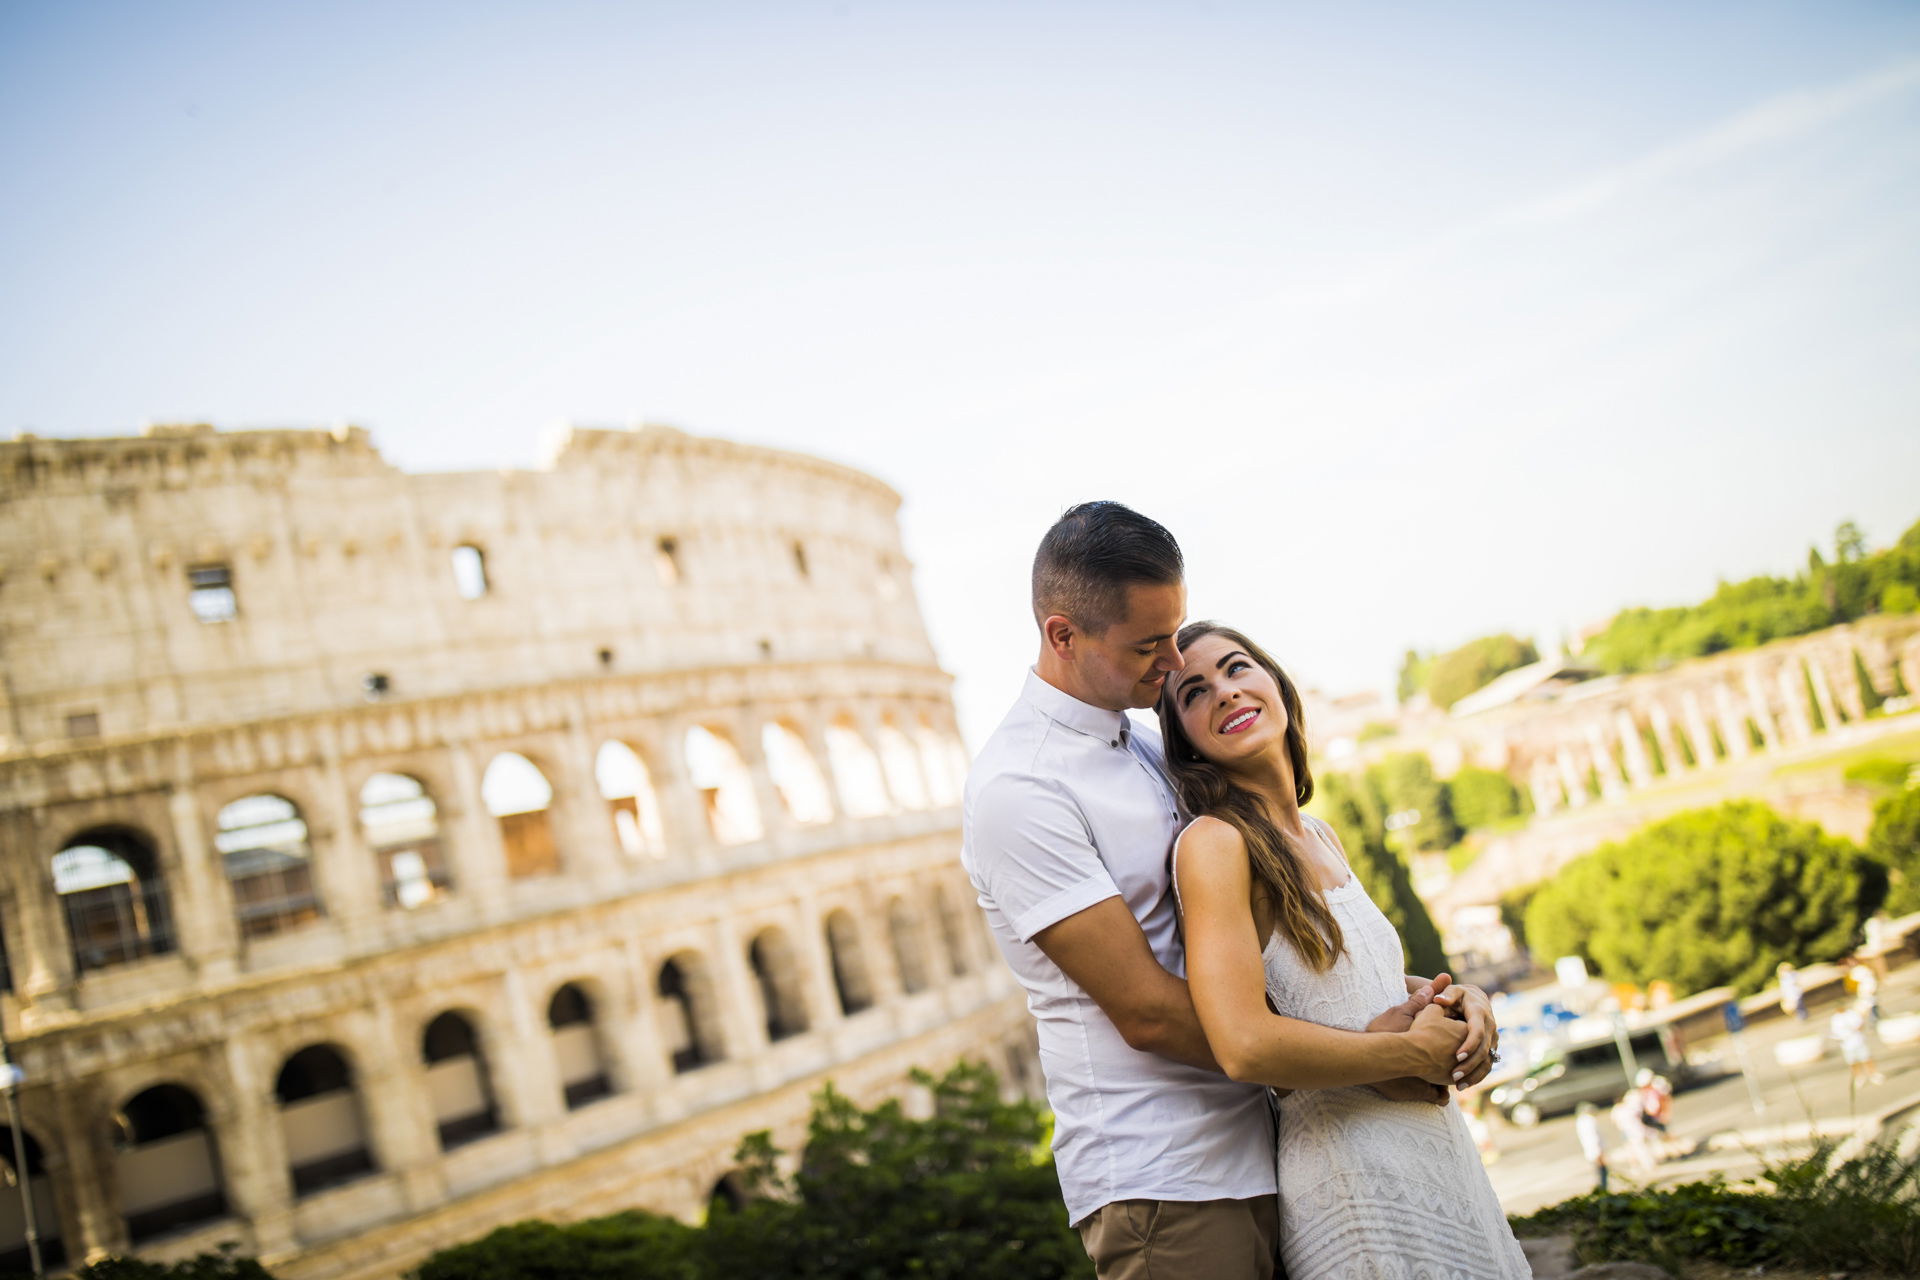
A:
388,856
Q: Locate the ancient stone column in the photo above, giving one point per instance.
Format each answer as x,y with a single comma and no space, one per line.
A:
520,1057
201,901
583,822
1547,795
816,964
1822,692
738,992
254,1167
37,943
344,872
1632,750
1604,764
391,1077
1797,723
1699,736
89,1192
1571,778
681,808
1733,726
1760,708
640,1062
1661,722
474,850
1843,673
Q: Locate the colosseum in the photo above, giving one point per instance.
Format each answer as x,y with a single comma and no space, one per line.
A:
388,856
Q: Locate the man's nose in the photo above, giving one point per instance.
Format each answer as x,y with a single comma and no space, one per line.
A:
1170,660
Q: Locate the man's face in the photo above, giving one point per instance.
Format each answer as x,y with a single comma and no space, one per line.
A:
1125,665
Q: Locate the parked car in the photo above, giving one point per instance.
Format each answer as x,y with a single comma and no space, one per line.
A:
1590,1071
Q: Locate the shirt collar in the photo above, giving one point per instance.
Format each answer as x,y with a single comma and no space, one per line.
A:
1110,727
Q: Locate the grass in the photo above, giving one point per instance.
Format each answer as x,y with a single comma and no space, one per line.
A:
1898,748
1860,1214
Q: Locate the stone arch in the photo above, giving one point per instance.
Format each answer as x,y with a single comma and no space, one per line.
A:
936,764
856,769
113,896
458,1081
726,1196
626,784
401,823
900,762
726,788
953,932
262,839
577,1045
689,1012
852,979
909,945
520,798
14,1255
168,1164
322,1119
796,774
776,972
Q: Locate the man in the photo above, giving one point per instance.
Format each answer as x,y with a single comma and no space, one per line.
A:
1166,1165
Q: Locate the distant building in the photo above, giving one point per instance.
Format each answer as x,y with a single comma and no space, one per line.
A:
386,857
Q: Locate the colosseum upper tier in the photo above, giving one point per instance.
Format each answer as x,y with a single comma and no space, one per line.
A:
387,856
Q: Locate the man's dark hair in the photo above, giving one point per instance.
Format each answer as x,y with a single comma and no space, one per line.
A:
1091,555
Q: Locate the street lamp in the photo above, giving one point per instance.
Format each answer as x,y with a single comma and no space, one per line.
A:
10,1078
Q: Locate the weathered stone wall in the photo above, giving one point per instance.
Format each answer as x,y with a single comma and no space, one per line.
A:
687,913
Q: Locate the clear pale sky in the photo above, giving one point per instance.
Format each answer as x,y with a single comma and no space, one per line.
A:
1411,321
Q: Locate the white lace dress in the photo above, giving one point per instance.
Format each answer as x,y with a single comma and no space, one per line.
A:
1372,1189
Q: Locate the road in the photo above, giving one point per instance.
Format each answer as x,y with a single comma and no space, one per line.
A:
1716,1120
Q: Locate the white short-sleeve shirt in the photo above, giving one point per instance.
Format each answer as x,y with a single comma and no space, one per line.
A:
1067,805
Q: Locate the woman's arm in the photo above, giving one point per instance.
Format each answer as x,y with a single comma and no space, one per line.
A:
1227,979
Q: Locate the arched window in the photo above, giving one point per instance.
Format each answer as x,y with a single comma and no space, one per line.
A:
14,1255
627,788
576,1045
325,1132
167,1165
936,764
470,572
263,846
902,766
725,787
851,979
856,772
777,974
953,933
796,774
518,794
689,1014
458,1081
402,826
109,884
909,947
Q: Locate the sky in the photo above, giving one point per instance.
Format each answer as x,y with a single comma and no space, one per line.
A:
1413,322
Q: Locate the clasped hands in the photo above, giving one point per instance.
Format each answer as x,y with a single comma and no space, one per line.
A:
1465,1022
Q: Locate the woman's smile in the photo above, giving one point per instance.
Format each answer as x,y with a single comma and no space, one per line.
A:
1240,721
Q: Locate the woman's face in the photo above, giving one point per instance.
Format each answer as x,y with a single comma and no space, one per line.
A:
1229,707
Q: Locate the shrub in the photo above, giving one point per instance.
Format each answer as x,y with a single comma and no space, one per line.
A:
1894,842
1711,897
1482,797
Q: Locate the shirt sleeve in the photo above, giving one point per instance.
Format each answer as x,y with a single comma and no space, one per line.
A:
1034,855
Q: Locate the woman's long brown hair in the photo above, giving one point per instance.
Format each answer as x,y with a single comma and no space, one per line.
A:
1279,872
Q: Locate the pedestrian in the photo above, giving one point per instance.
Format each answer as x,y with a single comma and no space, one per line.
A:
1793,998
1656,1107
1586,1124
1631,1121
1866,991
1850,1031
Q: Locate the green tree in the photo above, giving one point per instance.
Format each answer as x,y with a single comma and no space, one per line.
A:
1405,783
1481,797
1710,897
1459,672
969,1191
1849,543
226,1264
1894,842
1347,803
1413,673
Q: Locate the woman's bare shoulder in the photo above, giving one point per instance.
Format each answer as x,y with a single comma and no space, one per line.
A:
1209,842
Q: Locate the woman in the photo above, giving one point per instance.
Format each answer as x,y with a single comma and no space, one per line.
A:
1369,1186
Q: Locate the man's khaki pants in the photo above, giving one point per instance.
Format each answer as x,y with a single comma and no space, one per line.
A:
1183,1240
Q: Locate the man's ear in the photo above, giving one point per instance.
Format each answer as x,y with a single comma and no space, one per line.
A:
1061,636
